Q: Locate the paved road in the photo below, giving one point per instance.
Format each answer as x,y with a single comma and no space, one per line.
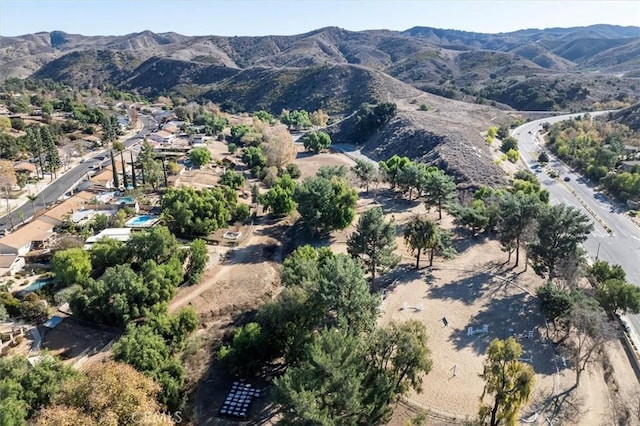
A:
622,245
352,152
65,182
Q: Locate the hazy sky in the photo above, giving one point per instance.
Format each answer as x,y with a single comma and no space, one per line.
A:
262,17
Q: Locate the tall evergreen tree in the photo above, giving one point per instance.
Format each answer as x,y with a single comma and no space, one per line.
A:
423,234
116,180
374,242
119,146
133,172
35,147
517,216
53,162
561,230
439,188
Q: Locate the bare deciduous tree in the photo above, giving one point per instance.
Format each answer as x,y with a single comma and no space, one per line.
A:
591,332
278,146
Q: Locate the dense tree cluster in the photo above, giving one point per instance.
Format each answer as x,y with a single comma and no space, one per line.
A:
370,118
151,348
24,389
596,148
316,141
324,320
325,204
199,212
279,199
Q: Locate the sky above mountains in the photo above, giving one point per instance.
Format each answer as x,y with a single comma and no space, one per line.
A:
270,17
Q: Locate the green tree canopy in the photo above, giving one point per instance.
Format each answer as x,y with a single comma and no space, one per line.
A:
200,156
373,242
392,168
316,141
232,179
439,189
561,230
298,119
71,266
618,296
424,234
365,171
348,379
325,204
107,252
198,258
508,381
122,295
279,199
302,265
516,223
157,244
25,388
198,212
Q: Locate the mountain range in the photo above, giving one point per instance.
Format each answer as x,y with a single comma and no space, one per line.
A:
555,68
451,72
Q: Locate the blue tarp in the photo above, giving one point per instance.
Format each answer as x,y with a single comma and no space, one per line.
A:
53,322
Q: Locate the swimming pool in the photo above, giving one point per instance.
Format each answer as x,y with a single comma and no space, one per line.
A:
143,221
35,286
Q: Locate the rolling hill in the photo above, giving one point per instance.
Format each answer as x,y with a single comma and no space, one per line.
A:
337,70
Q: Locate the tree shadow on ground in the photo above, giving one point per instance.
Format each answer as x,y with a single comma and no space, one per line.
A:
392,202
463,239
304,154
403,274
467,290
252,255
515,315
565,407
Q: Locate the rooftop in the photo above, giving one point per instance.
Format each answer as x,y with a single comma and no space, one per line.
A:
37,230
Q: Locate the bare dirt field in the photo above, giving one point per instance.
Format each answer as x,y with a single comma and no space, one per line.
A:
475,289
72,341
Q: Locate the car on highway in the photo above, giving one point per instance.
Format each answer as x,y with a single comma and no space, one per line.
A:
567,178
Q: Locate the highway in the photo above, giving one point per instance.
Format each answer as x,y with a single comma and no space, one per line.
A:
65,182
620,243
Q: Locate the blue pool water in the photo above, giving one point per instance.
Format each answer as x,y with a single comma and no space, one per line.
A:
36,285
141,220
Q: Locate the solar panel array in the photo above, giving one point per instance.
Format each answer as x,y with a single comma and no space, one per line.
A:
238,400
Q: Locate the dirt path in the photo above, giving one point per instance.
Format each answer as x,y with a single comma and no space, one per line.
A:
228,257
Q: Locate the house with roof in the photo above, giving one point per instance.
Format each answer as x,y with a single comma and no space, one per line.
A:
34,235
10,264
104,178
118,234
629,166
26,168
170,127
63,211
162,136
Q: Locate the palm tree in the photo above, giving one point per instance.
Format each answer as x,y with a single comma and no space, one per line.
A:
33,198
